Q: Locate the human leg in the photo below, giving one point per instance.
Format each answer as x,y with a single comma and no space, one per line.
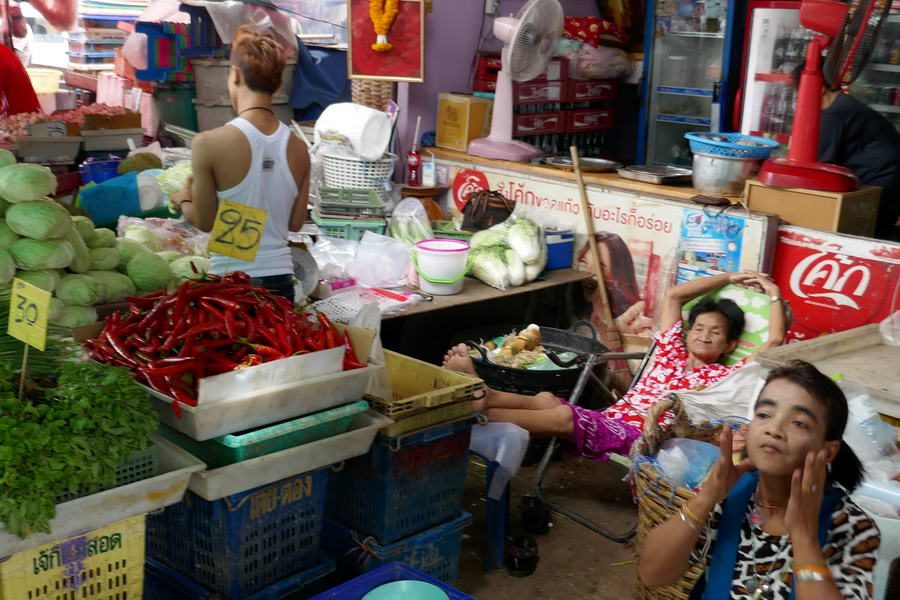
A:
556,421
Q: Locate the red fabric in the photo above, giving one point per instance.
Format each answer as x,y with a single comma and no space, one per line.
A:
16,92
589,30
666,375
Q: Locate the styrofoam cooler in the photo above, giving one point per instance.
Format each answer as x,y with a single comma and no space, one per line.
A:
211,76
367,129
215,114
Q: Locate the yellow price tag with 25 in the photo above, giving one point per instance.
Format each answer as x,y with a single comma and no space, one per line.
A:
237,230
29,306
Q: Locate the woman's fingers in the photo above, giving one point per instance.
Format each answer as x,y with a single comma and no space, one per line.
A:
809,474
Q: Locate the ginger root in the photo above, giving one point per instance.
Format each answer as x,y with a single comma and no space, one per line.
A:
528,339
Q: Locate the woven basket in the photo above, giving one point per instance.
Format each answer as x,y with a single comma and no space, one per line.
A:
656,497
372,92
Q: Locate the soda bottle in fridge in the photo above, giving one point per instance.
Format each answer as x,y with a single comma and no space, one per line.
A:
781,44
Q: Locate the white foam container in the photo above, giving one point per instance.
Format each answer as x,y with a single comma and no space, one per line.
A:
264,407
48,148
368,130
211,76
249,474
111,139
215,114
97,510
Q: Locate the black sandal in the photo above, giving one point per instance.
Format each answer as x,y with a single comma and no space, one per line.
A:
522,556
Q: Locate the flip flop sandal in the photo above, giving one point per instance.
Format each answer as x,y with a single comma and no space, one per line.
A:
522,556
535,516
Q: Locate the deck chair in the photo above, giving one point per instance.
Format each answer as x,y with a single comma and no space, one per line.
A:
756,312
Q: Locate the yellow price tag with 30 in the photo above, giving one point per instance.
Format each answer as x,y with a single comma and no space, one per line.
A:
29,306
237,230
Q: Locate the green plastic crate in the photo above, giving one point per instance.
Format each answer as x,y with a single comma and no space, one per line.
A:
140,465
350,203
229,449
348,229
451,234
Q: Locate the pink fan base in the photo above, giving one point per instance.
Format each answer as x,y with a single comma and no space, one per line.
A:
503,149
787,173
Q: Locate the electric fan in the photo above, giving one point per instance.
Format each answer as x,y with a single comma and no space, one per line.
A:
528,43
848,31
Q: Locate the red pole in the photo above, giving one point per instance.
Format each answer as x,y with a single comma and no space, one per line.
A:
805,132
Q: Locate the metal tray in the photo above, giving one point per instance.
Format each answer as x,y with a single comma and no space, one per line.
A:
588,165
656,174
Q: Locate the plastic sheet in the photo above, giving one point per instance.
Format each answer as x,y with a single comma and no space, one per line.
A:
503,443
686,462
380,261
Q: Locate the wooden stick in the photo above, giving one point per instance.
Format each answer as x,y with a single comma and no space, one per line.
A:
22,376
610,336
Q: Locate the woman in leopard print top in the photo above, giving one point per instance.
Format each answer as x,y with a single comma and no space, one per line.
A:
780,524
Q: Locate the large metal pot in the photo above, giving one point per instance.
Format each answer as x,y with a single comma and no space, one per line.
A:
723,175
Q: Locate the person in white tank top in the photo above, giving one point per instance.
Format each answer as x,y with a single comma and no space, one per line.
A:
254,160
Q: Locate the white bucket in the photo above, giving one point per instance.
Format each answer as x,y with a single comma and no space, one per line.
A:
368,130
441,264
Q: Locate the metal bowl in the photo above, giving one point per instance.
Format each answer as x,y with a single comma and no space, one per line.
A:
722,175
588,165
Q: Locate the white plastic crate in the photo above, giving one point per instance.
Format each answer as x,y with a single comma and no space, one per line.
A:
211,115
211,76
111,139
48,149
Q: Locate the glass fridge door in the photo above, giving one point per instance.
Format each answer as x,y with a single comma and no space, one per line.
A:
879,84
685,68
777,48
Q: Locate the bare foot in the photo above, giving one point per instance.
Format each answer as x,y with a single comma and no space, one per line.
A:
458,359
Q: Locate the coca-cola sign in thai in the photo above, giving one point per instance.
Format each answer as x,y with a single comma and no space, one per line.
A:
835,282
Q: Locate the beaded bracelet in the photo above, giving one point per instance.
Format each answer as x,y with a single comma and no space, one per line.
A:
690,514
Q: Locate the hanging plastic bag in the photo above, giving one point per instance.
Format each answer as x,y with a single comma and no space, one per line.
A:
409,222
890,329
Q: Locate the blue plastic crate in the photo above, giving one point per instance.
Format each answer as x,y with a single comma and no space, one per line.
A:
245,542
355,589
405,484
162,583
435,552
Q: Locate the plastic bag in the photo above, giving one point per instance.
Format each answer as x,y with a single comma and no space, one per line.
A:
380,261
333,256
170,234
686,462
872,440
890,329
409,222
587,62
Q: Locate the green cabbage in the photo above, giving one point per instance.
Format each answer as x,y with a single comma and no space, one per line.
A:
148,271
495,236
3,206
533,270
46,279
39,220
26,182
116,284
32,254
82,261
169,255
6,157
143,236
85,227
7,267
7,235
525,237
173,179
182,270
488,264
515,267
102,238
76,316
128,249
104,259
80,290
56,309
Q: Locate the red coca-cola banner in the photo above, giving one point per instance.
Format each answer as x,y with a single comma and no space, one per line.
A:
835,282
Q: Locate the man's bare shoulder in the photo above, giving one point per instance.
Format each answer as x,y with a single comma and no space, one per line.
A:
217,140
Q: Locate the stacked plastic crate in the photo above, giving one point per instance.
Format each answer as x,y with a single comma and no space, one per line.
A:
553,111
402,502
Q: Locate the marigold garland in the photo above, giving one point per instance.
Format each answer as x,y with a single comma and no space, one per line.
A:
382,14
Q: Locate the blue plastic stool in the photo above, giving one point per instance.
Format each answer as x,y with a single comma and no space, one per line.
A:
497,520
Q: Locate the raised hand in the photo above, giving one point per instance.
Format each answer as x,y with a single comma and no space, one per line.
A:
724,473
807,489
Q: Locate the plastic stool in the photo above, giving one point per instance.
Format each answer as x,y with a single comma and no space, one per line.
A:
889,551
497,520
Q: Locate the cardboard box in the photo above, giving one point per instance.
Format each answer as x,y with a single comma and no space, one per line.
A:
853,213
461,119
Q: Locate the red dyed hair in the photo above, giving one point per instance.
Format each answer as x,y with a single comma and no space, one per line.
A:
260,59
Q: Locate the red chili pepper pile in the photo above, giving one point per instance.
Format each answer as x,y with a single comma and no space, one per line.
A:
171,341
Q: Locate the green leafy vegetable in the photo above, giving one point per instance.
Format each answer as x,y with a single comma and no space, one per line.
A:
102,238
32,254
26,182
39,220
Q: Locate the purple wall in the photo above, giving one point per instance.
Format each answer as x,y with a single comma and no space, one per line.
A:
451,38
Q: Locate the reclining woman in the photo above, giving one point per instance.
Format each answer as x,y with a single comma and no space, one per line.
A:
684,360
780,524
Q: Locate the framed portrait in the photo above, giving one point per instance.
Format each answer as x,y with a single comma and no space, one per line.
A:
405,61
